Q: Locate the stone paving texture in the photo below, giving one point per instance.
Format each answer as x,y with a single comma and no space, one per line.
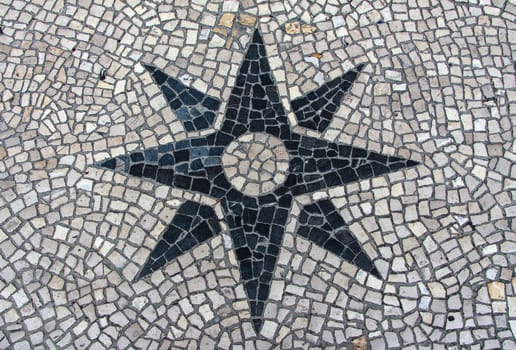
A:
257,174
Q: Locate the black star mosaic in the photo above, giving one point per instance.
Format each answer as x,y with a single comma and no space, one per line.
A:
315,110
256,223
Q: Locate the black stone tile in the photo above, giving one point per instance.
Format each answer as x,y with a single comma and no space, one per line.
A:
109,164
136,170
137,157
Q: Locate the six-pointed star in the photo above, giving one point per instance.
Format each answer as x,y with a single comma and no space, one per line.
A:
256,223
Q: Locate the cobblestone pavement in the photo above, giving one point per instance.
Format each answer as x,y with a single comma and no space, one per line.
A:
257,174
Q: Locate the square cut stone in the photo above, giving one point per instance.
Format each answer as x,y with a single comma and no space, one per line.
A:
496,290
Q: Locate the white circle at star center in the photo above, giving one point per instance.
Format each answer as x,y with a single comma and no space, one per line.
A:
256,163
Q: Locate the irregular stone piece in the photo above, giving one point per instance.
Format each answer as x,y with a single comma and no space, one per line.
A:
246,20
496,290
293,28
360,343
308,29
227,20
